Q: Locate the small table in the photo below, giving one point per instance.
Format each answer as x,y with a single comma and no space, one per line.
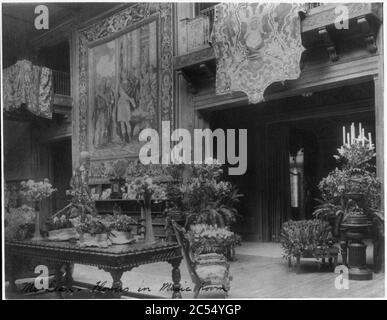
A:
115,259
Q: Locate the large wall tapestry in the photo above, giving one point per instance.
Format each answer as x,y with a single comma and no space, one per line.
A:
125,79
256,44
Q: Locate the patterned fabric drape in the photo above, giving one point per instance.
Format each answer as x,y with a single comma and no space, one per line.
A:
255,45
28,85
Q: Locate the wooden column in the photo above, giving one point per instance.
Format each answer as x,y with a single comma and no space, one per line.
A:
379,114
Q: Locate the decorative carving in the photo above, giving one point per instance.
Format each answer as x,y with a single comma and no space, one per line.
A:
368,33
328,43
126,18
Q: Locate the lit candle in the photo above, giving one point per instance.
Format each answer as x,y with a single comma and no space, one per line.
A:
352,132
343,135
370,139
360,131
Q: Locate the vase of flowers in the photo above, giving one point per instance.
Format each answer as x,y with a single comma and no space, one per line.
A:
146,190
35,192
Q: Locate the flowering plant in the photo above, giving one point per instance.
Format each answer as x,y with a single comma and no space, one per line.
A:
144,188
92,225
119,222
355,176
18,222
206,238
36,191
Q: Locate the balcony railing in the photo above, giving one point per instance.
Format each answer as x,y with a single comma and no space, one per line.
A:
61,83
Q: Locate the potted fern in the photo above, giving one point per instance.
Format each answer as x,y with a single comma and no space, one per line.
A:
210,202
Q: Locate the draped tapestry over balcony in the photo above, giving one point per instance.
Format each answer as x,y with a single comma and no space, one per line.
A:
255,45
25,84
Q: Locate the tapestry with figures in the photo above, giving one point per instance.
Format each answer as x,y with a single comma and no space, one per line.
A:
256,44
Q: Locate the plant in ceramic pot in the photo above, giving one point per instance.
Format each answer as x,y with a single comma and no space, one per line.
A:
19,223
35,192
93,232
120,227
352,191
351,197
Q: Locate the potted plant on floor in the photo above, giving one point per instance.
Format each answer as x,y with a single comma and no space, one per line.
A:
351,196
308,239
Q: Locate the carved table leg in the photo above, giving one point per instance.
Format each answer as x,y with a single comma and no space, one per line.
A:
117,283
58,280
12,280
344,247
176,277
68,278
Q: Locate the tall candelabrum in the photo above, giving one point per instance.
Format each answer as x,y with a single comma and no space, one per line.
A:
356,226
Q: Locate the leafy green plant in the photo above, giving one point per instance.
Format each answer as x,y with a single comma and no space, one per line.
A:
207,198
19,223
355,176
302,236
206,238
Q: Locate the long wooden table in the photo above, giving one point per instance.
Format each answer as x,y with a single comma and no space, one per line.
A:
115,259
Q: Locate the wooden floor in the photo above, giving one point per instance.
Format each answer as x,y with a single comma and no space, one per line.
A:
259,272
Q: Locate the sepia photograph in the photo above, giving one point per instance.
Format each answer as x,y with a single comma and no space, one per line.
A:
192,150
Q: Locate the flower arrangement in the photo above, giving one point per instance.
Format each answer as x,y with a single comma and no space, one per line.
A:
92,225
36,191
120,223
298,237
61,222
355,177
19,223
206,238
143,188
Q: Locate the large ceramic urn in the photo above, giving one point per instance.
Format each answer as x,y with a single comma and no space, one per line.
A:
356,228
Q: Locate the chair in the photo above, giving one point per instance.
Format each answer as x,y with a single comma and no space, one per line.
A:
206,270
